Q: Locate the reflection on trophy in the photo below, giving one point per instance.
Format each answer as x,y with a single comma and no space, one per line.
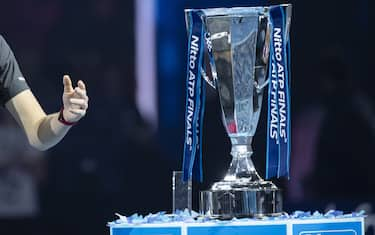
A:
240,40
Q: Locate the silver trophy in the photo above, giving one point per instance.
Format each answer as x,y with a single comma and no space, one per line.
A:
240,40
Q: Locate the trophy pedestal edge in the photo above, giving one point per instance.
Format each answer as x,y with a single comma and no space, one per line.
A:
241,203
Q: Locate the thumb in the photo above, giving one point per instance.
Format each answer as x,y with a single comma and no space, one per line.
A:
67,84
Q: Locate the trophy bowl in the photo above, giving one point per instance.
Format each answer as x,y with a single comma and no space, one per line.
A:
240,44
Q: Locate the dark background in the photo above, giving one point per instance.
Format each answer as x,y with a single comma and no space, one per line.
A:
113,161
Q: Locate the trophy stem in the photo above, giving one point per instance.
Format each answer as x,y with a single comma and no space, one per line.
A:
242,167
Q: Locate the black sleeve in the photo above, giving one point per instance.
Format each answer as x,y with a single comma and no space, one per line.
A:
12,81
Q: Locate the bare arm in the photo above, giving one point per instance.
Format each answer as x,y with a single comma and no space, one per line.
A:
44,131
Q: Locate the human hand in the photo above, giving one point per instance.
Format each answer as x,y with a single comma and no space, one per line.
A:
75,100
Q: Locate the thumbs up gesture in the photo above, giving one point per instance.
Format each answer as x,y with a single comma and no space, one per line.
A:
75,100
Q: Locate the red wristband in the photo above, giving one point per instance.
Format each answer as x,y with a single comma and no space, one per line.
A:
62,120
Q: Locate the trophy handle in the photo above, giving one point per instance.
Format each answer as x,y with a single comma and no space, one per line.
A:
210,80
210,67
260,87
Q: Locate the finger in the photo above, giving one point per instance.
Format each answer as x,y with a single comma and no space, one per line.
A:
77,101
80,102
80,112
67,84
80,92
81,85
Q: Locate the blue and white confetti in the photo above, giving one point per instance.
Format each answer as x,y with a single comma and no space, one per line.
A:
193,217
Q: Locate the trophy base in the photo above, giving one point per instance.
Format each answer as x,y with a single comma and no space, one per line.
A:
241,202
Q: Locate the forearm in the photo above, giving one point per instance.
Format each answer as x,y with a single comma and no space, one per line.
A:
50,131
44,131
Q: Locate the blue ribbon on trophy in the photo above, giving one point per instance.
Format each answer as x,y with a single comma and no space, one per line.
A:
278,134
195,97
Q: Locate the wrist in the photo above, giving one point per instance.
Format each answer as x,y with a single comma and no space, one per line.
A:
62,120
